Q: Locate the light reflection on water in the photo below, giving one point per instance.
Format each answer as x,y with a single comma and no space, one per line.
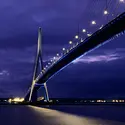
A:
81,115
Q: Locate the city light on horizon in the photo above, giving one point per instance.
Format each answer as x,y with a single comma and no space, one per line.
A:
17,99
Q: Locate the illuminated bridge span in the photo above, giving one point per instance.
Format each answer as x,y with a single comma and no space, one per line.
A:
108,32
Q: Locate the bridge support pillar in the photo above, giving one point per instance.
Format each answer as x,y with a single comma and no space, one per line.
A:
46,92
34,95
27,97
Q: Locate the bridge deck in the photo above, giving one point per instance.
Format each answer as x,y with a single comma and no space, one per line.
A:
95,40
98,38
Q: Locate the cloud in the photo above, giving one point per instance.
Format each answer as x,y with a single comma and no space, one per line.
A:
108,56
4,73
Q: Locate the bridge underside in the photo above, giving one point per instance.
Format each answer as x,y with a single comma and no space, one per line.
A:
109,31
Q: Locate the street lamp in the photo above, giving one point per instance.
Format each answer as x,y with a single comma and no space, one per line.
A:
84,30
89,34
63,49
93,22
70,42
82,40
105,12
76,36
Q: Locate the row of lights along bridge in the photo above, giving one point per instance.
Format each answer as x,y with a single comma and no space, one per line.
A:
65,51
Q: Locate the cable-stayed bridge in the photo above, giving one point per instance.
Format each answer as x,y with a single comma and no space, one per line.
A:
104,34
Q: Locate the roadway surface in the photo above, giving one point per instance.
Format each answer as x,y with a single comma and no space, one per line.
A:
73,115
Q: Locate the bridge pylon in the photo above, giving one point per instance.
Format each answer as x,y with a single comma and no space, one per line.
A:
38,68
46,92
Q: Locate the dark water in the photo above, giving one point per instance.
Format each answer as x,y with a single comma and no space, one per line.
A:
105,112
62,115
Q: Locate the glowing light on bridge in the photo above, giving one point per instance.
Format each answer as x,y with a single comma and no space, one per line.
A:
51,60
101,27
93,22
82,40
71,48
57,54
67,50
105,12
63,49
76,36
70,42
44,68
77,43
84,30
54,58
89,34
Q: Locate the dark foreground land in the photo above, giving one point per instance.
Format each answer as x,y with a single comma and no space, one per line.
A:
62,115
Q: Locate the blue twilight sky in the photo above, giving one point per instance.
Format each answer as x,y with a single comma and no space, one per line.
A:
98,74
